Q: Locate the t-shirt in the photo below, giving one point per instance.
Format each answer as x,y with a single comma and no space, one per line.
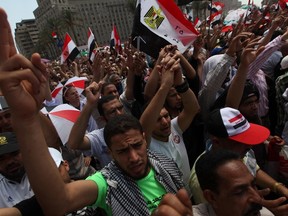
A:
174,149
151,189
12,192
99,148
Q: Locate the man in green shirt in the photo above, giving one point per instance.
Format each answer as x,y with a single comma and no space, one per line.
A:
133,164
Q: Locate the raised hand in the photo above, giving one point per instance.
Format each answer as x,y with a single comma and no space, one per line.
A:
93,93
22,82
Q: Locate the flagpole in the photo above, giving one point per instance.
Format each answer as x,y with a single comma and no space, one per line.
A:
245,19
211,2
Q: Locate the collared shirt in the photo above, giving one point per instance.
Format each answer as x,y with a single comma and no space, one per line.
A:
12,192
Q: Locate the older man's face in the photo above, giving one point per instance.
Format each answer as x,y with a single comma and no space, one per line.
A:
11,166
236,194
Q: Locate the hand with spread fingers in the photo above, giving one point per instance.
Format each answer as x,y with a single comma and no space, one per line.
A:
22,82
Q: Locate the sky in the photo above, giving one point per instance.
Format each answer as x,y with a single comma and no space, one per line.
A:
18,10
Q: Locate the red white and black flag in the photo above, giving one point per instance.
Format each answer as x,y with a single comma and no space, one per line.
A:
69,49
91,46
158,23
115,42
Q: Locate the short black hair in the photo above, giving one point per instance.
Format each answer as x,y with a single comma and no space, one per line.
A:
104,85
103,100
207,165
119,125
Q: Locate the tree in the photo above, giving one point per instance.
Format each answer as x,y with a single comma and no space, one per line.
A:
69,21
131,5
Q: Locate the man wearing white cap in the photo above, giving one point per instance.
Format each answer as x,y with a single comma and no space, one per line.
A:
229,130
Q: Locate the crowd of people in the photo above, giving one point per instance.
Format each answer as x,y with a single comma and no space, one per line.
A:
202,132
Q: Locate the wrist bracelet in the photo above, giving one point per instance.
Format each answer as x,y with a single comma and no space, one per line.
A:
276,185
182,87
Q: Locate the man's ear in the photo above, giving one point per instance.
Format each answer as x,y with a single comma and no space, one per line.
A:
144,137
110,152
66,165
211,197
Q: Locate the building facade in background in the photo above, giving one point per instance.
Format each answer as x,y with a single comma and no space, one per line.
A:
26,36
75,17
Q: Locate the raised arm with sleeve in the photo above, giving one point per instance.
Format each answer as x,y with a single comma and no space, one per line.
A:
77,138
236,88
216,76
152,111
24,80
154,78
257,76
189,100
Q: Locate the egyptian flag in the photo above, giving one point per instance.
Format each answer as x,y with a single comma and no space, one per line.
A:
197,22
283,4
216,6
215,18
115,40
54,35
158,23
91,46
69,49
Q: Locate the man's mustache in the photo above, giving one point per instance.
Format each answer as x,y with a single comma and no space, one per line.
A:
254,208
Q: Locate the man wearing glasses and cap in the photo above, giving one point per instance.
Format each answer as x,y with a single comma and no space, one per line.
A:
14,184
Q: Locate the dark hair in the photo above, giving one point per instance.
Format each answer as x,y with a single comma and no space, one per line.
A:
65,90
103,100
104,85
207,165
250,89
119,125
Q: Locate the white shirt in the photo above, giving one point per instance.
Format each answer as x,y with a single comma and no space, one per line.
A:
12,192
174,149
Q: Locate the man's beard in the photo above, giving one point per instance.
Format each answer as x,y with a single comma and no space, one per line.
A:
15,176
253,210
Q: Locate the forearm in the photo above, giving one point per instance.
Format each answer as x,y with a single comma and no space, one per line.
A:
10,212
189,70
263,56
129,86
151,113
152,84
190,109
265,181
78,130
39,165
51,136
236,88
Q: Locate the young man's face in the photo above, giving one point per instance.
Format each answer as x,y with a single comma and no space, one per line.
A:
162,128
173,99
237,194
129,150
112,108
